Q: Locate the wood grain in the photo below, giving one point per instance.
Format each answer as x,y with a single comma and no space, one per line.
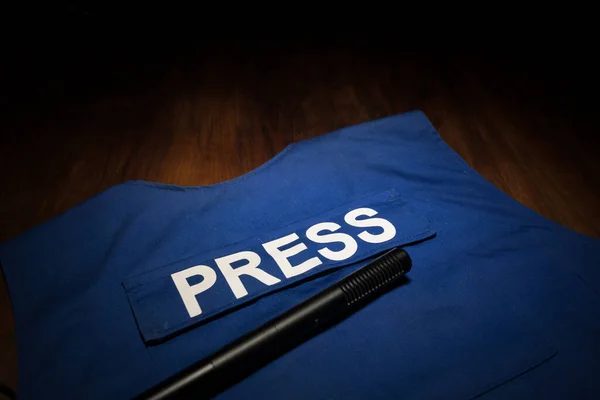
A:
81,123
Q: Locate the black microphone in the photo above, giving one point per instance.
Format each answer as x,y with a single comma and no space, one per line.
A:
237,360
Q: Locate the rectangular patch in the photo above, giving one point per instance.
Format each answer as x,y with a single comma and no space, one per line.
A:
174,297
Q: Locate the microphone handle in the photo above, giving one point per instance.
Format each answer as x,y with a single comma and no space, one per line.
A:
235,361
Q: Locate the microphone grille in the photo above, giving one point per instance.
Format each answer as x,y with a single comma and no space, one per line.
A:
376,276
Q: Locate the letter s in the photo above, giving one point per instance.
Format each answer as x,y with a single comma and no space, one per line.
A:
389,231
350,245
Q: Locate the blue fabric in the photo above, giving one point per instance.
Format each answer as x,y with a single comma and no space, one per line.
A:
501,302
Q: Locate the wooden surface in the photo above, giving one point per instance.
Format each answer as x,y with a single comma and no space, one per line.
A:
78,122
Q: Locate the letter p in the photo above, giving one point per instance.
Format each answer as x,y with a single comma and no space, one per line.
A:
188,292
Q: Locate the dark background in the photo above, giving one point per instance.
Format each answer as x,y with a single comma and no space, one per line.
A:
92,97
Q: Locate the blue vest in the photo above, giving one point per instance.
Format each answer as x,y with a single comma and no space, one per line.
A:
140,281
